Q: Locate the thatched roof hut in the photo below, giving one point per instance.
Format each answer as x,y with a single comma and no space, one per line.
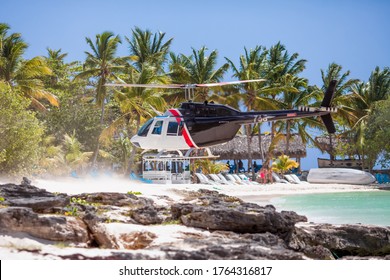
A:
238,148
323,142
336,143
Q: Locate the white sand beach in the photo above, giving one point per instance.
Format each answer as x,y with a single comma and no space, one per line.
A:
262,193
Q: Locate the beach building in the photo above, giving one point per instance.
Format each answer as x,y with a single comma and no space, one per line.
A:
330,145
237,148
173,168
166,169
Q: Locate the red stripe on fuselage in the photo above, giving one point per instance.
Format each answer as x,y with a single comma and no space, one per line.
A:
185,133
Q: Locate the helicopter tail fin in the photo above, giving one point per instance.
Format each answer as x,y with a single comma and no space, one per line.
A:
329,94
327,119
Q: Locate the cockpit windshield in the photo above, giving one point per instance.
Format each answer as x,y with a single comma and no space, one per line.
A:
145,128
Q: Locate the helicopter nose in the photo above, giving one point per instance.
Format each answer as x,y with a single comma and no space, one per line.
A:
135,141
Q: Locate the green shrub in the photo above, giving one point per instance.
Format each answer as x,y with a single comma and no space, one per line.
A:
20,134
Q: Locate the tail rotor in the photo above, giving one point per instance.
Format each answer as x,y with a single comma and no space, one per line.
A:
326,102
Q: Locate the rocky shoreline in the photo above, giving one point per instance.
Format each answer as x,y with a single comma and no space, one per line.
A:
204,224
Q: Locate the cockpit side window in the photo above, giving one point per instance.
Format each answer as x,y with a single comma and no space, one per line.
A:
172,128
145,128
157,128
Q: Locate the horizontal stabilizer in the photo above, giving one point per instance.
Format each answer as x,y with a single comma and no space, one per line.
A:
327,120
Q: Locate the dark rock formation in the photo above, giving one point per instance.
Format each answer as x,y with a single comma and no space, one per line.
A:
99,233
25,195
227,227
137,240
219,212
147,216
141,210
54,228
116,199
343,240
229,245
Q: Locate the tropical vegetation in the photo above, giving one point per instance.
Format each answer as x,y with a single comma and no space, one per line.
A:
58,116
284,164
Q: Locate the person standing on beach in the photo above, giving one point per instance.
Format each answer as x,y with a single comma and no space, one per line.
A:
262,174
240,166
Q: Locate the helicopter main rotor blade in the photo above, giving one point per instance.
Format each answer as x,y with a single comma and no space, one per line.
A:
184,86
229,83
144,85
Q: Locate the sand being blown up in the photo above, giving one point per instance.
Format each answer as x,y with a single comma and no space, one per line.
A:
254,193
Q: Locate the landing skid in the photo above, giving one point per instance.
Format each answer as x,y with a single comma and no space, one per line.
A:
206,154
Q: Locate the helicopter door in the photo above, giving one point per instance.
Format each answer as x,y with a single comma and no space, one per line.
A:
167,134
174,136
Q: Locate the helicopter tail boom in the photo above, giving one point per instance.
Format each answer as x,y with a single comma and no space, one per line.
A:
324,111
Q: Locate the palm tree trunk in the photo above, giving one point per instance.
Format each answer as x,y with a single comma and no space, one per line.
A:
261,145
133,151
299,162
96,152
249,143
270,152
332,157
288,135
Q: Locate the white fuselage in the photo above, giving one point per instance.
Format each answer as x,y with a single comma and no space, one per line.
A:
168,132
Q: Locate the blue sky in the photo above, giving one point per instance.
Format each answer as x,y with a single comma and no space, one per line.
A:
355,34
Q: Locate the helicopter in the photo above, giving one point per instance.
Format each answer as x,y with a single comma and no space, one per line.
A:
200,125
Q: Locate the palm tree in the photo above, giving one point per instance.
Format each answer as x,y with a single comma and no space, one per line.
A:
362,101
149,52
135,104
74,156
252,66
102,64
284,164
53,157
197,69
210,167
345,116
61,70
282,72
295,95
343,88
146,48
3,33
24,75
281,63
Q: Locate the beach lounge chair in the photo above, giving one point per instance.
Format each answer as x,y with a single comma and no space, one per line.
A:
227,182
204,180
290,179
240,180
246,179
297,180
217,180
277,179
231,178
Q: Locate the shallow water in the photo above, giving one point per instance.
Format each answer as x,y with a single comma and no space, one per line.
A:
371,207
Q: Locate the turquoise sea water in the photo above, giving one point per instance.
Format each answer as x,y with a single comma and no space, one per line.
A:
371,207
